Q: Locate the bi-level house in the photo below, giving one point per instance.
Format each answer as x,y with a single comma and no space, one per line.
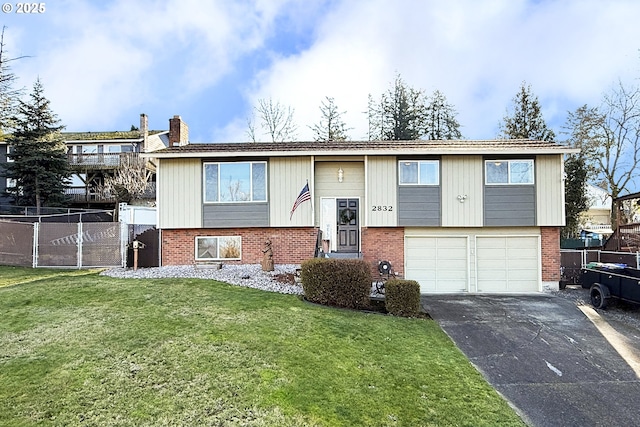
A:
457,216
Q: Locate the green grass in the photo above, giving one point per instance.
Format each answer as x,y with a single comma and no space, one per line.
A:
82,349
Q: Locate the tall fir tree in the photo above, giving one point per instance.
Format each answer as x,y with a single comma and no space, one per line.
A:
39,162
526,121
331,126
440,119
576,200
399,115
404,112
9,96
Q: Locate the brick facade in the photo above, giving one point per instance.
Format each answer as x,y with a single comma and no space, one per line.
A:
294,245
550,242
383,244
290,245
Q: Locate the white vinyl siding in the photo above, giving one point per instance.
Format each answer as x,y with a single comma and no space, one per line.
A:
179,193
550,191
462,191
381,203
288,175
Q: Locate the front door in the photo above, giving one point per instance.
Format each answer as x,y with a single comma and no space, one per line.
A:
348,226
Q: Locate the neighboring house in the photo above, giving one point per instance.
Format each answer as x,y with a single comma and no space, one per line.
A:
597,219
457,216
94,156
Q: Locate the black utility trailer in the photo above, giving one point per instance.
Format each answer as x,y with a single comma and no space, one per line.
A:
606,281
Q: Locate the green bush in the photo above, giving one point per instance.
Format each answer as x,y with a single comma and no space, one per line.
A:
337,282
402,297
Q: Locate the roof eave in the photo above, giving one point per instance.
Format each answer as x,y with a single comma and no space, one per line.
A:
359,152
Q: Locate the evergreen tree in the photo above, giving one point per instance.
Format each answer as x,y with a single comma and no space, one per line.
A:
404,112
400,115
8,95
40,167
375,118
440,120
576,200
526,121
331,126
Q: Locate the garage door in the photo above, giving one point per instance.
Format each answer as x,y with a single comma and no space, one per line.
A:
508,264
439,264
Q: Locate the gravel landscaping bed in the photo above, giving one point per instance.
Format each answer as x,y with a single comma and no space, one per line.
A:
281,280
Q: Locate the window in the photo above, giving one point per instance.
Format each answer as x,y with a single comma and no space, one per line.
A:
218,248
235,182
514,172
423,172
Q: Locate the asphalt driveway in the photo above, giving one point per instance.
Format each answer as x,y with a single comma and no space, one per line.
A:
543,354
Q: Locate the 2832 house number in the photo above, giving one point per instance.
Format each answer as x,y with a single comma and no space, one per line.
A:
383,208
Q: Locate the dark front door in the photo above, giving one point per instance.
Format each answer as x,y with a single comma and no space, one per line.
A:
348,227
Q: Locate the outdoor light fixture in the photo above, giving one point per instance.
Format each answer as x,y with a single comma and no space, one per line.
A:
462,198
340,175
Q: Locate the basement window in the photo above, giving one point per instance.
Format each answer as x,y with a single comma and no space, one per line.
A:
209,248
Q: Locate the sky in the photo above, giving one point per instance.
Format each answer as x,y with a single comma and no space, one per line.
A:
102,63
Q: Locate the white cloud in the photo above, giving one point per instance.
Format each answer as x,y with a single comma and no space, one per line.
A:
103,62
476,53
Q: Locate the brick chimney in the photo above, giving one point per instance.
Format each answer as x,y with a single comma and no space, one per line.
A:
178,132
144,131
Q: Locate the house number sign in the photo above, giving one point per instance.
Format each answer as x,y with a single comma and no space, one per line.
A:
382,208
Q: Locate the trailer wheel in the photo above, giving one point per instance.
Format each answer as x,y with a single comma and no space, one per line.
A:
599,295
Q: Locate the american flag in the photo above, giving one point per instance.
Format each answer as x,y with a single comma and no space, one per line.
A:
302,197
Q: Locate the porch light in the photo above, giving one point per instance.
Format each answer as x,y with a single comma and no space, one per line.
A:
340,175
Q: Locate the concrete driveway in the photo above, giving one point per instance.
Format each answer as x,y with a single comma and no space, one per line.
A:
544,355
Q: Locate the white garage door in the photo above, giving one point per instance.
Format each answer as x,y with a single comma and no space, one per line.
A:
508,264
439,264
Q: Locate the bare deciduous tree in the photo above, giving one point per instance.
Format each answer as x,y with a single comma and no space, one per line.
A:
609,137
275,119
129,182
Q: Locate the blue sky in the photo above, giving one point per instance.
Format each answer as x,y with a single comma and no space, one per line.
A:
103,63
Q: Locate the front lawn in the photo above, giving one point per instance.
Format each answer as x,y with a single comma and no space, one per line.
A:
83,349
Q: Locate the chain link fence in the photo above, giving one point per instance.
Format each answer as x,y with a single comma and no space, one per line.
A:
16,243
81,245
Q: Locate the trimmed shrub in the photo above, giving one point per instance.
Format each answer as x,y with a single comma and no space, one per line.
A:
402,297
337,282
